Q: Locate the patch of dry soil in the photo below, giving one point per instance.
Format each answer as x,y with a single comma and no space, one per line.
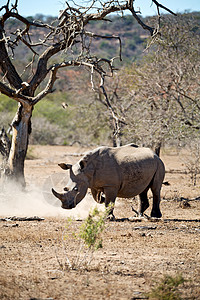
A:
135,255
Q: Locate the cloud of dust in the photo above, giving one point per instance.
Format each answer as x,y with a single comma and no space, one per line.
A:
32,202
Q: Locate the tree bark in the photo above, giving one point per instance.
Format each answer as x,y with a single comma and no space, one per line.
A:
157,148
21,128
117,140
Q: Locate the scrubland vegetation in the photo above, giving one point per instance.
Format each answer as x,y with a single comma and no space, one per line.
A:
155,95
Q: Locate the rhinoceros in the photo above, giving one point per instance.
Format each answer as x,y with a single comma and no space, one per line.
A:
122,172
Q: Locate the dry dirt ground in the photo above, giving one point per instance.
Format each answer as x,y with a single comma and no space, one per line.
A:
135,255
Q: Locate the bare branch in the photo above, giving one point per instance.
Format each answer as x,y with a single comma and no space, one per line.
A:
14,94
70,30
163,7
144,26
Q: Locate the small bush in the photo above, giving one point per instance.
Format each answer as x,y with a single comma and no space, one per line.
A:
192,161
7,104
167,289
45,133
85,240
90,230
5,119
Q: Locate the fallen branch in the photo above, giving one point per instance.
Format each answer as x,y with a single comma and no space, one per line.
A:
187,199
22,219
181,220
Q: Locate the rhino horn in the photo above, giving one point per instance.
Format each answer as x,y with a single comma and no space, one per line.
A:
60,196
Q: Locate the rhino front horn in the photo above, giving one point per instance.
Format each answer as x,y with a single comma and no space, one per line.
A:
61,197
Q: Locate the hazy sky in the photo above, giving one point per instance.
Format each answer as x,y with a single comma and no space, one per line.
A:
52,7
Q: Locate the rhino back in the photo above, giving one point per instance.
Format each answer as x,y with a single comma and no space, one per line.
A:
127,169
137,167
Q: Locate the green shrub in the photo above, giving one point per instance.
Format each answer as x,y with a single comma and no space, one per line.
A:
7,104
85,240
91,229
167,289
45,133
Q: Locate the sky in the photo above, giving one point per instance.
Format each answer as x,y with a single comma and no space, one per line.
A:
52,7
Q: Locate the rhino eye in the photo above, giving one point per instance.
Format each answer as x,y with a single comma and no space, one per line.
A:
75,188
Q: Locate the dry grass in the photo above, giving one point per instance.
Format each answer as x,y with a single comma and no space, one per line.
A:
134,258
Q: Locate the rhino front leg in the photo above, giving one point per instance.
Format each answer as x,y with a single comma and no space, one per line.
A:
98,196
110,196
143,203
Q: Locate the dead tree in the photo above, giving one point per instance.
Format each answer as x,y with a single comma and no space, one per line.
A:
160,93
66,33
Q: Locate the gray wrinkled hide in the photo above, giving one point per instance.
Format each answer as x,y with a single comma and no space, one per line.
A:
123,172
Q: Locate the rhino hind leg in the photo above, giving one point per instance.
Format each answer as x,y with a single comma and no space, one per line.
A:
155,212
143,203
156,188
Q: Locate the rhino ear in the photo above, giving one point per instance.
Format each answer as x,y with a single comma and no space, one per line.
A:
82,164
84,161
65,166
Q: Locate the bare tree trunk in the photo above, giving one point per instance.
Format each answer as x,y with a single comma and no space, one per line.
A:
157,148
117,140
21,128
5,145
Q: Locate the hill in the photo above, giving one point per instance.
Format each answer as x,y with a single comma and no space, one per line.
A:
133,37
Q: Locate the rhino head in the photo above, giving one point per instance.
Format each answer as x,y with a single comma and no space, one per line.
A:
77,185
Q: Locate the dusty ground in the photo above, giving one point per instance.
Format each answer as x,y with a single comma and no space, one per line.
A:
135,255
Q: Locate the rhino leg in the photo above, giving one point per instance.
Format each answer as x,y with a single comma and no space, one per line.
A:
156,213
110,196
143,203
156,187
97,195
